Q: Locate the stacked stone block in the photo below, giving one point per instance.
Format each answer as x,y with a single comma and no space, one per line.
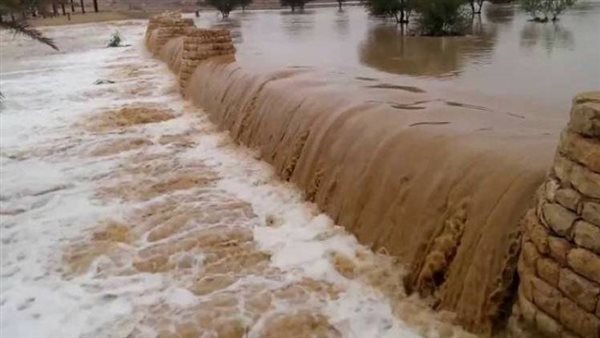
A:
559,266
164,27
201,44
198,44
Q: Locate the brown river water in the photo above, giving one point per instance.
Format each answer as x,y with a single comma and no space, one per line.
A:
505,58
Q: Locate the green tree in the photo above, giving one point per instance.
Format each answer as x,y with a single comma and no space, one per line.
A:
294,4
545,10
245,3
442,17
398,9
226,6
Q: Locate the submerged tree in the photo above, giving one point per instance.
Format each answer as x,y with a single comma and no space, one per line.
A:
245,3
398,9
545,10
226,6
294,4
476,6
340,3
442,17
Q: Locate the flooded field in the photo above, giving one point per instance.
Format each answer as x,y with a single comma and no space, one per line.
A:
505,57
126,213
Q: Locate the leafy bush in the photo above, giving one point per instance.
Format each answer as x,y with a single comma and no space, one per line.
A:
544,10
294,4
398,9
226,6
442,17
115,40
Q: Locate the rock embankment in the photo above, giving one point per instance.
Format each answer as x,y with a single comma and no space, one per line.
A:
559,266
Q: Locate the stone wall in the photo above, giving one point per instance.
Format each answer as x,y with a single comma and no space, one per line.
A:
559,266
197,44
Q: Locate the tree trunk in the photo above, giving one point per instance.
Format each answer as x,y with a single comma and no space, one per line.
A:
62,6
72,6
12,17
339,5
82,6
54,9
96,6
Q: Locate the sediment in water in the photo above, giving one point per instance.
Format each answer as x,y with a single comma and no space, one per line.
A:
442,188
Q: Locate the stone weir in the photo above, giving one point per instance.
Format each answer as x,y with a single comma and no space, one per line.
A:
445,189
559,266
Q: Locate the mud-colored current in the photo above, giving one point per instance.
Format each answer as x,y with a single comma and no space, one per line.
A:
125,212
505,57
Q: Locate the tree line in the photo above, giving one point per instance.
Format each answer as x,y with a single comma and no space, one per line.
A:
15,10
434,17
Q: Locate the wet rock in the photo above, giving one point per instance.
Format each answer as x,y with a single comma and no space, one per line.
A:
559,249
578,289
568,198
587,235
577,320
591,212
102,81
585,116
584,150
548,326
548,270
558,218
585,263
546,297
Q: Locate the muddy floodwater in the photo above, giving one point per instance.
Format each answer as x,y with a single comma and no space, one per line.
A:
506,57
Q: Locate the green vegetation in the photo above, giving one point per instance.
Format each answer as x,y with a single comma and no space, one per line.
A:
442,17
435,17
545,10
226,6
398,9
294,4
115,40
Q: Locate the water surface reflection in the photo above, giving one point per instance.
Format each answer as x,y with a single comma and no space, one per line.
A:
506,56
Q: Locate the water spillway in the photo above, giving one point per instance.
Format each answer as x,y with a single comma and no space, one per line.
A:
442,185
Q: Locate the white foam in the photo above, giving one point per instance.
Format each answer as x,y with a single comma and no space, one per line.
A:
52,198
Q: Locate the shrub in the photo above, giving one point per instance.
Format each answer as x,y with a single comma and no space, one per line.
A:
115,40
442,17
226,6
544,10
294,4
398,9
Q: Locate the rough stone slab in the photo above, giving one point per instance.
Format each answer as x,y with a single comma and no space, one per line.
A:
528,310
530,255
546,297
585,263
591,212
548,270
580,177
577,320
537,232
585,118
525,284
559,249
548,326
587,235
559,218
579,289
584,150
568,198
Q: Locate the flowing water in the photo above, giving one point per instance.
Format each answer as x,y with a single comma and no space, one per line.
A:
125,212
506,57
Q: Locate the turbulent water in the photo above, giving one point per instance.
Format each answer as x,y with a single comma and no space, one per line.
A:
126,213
